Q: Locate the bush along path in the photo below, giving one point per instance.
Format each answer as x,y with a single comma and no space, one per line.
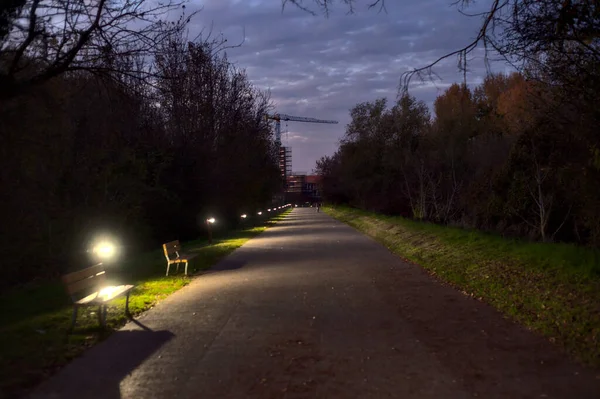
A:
553,289
34,321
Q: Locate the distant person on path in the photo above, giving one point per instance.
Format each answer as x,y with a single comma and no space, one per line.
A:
318,207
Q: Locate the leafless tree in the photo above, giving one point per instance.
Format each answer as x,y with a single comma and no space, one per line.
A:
47,38
324,6
523,33
544,198
527,33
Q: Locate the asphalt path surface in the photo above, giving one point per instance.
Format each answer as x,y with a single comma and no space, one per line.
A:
313,309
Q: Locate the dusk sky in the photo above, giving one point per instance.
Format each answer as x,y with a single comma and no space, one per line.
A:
321,67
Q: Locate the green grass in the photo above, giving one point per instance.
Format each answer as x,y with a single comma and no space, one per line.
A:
553,289
34,321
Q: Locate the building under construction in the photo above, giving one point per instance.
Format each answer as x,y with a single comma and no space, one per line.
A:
285,153
299,187
302,188
285,162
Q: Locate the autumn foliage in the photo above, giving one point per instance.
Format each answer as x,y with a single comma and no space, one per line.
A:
513,155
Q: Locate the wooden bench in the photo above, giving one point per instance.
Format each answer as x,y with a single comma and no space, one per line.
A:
174,254
91,284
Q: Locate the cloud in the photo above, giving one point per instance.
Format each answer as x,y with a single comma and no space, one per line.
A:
321,67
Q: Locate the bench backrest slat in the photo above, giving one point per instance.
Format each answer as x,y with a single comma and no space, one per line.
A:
94,276
171,247
83,274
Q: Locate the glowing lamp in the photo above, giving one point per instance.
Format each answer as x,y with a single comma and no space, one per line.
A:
104,250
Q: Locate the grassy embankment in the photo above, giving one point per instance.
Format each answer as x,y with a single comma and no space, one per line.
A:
34,321
553,289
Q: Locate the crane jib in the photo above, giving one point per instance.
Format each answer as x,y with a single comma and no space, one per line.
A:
284,117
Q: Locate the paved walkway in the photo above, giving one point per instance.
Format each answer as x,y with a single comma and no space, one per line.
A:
313,309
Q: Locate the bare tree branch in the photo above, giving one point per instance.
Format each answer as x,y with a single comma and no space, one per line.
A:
482,36
31,33
88,32
325,5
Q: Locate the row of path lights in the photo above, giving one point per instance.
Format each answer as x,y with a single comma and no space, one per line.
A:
104,249
210,221
259,213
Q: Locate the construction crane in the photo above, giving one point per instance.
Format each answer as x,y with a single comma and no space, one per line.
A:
283,117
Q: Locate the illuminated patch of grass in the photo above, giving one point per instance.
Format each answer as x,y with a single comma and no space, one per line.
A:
553,289
34,321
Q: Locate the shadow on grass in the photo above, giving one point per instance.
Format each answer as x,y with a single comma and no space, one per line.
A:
100,371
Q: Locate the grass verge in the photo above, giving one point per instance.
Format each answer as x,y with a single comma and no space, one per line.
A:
553,289
34,321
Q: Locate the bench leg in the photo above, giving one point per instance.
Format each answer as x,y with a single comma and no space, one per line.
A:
168,265
73,318
100,321
127,306
186,265
177,270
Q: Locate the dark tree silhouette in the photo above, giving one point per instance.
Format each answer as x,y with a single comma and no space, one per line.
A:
43,39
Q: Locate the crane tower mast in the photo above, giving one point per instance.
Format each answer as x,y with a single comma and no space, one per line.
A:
285,156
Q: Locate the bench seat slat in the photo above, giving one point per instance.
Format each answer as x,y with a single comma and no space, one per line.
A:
182,258
94,298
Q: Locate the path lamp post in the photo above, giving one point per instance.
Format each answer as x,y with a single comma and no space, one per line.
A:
209,223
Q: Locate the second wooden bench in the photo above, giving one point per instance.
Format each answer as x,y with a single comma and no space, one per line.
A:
174,255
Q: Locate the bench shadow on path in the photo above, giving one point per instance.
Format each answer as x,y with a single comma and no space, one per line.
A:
229,263
99,372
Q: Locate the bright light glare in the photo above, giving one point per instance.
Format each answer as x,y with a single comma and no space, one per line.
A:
107,291
104,249
260,213
244,216
210,220
268,210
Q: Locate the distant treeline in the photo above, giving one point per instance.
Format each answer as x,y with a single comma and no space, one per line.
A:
145,156
518,155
